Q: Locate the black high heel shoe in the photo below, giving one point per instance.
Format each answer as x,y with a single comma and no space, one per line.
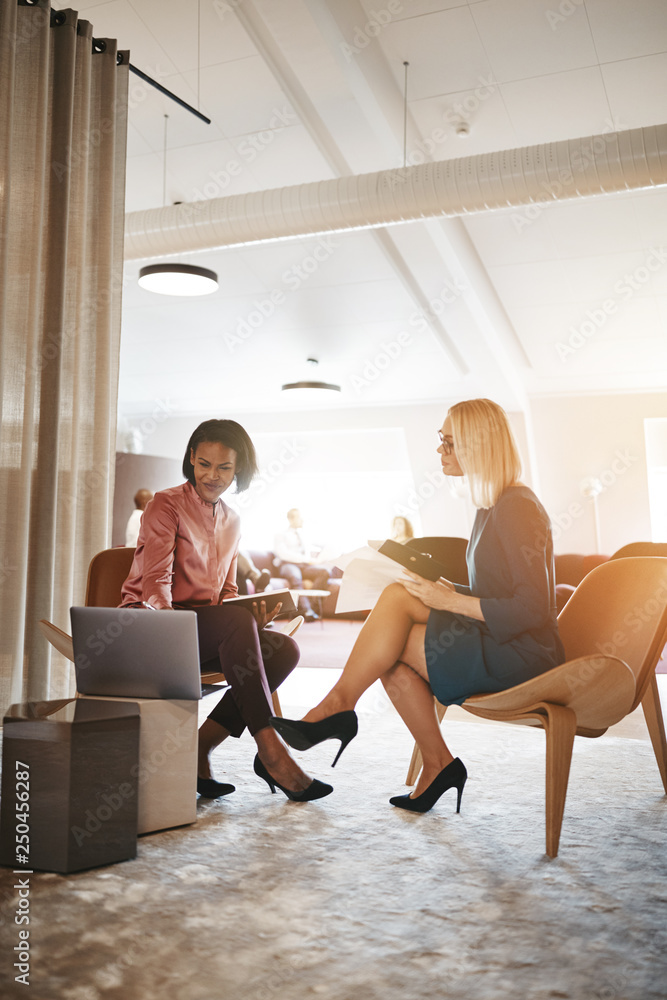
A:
452,776
316,789
208,788
342,726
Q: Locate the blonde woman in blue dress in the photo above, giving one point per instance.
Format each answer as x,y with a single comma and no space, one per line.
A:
445,639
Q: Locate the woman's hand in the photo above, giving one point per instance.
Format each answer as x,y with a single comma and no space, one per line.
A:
259,611
442,596
439,595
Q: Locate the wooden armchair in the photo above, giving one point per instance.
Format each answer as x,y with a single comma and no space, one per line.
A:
613,628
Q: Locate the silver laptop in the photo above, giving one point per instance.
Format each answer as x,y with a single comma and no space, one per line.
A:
136,653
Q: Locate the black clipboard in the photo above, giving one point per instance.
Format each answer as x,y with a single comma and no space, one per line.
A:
420,563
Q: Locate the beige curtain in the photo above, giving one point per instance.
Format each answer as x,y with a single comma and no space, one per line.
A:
63,125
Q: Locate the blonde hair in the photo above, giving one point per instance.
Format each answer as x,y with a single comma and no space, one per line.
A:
485,449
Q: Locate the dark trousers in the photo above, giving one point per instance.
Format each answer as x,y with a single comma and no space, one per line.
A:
254,661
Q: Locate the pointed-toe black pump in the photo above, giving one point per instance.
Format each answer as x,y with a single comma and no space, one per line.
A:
452,776
208,788
316,789
342,726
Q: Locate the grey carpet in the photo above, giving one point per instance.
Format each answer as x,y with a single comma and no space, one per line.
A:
348,897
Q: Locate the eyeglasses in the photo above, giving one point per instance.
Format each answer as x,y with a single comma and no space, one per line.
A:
446,444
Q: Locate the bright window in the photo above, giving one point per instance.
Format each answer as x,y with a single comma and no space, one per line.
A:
347,485
655,432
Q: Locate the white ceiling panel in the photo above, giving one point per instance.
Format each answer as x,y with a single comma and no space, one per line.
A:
290,105
514,236
593,226
482,108
615,277
243,96
568,115
534,283
622,30
217,172
119,19
401,10
444,51
174,26
283,156
636,90
524,39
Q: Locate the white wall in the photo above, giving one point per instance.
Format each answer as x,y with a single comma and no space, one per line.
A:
573,437
426,498
602,436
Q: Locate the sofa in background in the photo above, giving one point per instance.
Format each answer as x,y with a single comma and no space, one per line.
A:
263,559
571,568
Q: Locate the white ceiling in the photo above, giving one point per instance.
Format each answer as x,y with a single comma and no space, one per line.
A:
496,304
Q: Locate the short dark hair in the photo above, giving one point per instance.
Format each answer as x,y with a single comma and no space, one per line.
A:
232,435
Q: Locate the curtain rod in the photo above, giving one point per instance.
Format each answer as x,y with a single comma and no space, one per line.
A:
99,45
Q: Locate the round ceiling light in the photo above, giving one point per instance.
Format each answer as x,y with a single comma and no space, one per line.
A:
320,386
178,279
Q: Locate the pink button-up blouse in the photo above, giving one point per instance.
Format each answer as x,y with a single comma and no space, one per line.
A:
186,552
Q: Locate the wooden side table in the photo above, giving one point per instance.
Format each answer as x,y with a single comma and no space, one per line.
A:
75,764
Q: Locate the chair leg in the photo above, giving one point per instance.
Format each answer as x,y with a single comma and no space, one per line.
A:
416,759
276,705
415,766
656,726
560,726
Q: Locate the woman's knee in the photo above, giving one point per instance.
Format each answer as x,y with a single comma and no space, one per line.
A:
278,647
395,599
395,593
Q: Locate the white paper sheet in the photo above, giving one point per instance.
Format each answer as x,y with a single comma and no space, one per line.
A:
365,575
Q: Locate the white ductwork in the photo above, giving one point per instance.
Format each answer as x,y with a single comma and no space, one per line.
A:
599,164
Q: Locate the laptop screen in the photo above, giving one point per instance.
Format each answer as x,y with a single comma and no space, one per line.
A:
136,653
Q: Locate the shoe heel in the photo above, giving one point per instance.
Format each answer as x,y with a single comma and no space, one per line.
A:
459,796
343,744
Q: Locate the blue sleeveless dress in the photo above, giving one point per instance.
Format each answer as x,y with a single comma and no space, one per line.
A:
511,568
